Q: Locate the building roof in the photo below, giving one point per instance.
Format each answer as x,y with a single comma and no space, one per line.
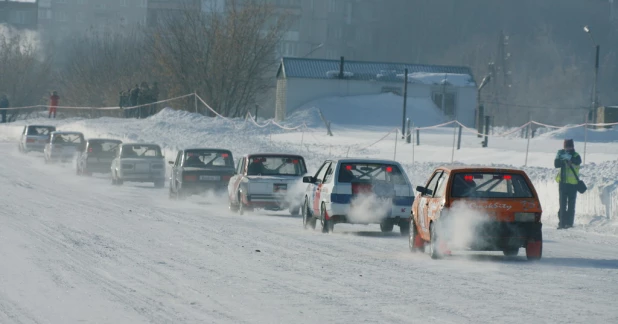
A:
291,67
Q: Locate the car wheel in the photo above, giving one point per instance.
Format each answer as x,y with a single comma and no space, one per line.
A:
386,226
511,252
114,181
308,220
434,245
404,228
327,225
534,248
415,242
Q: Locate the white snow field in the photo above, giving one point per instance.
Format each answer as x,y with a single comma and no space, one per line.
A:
77,250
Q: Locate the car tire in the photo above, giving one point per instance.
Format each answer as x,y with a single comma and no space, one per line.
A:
386,226
434,245
114,181
534,248
327,225
308,220
413,237
404,228
510,252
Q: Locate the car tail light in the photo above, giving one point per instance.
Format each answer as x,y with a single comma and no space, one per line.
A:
190,177
389,169
30,140
469,177
224,155
348,167
526,217
508,177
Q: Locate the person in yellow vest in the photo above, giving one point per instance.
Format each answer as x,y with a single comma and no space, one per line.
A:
568,161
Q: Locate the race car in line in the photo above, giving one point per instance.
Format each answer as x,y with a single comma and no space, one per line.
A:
197,170
97,156
477,208
34,138
358,191
63,146
138,162
269,181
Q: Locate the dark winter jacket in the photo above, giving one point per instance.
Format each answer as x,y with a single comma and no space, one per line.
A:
4,103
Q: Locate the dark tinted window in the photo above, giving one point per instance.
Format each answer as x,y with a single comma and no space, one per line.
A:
40,130
276,165
490,185
208,158
369,172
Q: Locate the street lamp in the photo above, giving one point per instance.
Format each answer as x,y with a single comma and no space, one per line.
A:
596,75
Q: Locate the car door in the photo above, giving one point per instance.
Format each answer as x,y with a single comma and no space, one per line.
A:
437,200
235,181
176,174
317,186
425,198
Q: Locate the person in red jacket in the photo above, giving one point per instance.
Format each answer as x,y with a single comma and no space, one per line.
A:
53,103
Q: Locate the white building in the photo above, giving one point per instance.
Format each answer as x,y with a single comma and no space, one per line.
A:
300,80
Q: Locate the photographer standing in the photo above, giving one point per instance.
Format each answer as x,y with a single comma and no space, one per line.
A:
568,161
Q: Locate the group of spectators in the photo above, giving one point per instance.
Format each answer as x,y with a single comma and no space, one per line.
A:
139,101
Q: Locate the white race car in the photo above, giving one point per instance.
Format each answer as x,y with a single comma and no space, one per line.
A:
137,162
34,137
63,146
358,191
268,181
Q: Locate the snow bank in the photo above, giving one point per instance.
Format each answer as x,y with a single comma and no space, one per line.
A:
605,135
371,110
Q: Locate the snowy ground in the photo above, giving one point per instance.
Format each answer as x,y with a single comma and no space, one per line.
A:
79,250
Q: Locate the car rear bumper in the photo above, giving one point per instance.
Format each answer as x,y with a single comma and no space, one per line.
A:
98,167
142,177
34,147
198,187
268,201
497,236
344,213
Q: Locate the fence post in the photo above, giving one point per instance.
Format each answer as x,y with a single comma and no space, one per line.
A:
302,138
408,132
528,135
418,136
459,137
480,117
405,98
585,138
395,154
453,150
413,147
195,97
486,140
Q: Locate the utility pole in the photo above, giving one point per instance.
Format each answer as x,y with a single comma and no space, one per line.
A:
405,99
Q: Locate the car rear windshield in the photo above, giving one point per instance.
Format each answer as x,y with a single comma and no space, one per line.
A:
276,165
370,172
103,147
208,158
490,185
67,139
137,151
40,130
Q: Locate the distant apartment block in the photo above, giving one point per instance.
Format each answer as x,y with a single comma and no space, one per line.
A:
60,18
20,14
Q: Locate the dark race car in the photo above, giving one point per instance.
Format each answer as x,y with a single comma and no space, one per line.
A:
199,170
97,157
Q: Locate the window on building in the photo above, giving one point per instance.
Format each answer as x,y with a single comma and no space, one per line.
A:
79,17
449,102
335,32
60,16
45,14
335,5
288,49
123,3
143,3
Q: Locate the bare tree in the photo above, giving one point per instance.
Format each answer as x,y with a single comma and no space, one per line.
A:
25,72
100,65
225,54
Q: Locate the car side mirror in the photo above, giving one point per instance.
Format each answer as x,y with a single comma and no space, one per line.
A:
308,179
423,190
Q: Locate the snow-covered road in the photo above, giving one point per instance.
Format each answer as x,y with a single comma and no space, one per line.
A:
77,250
